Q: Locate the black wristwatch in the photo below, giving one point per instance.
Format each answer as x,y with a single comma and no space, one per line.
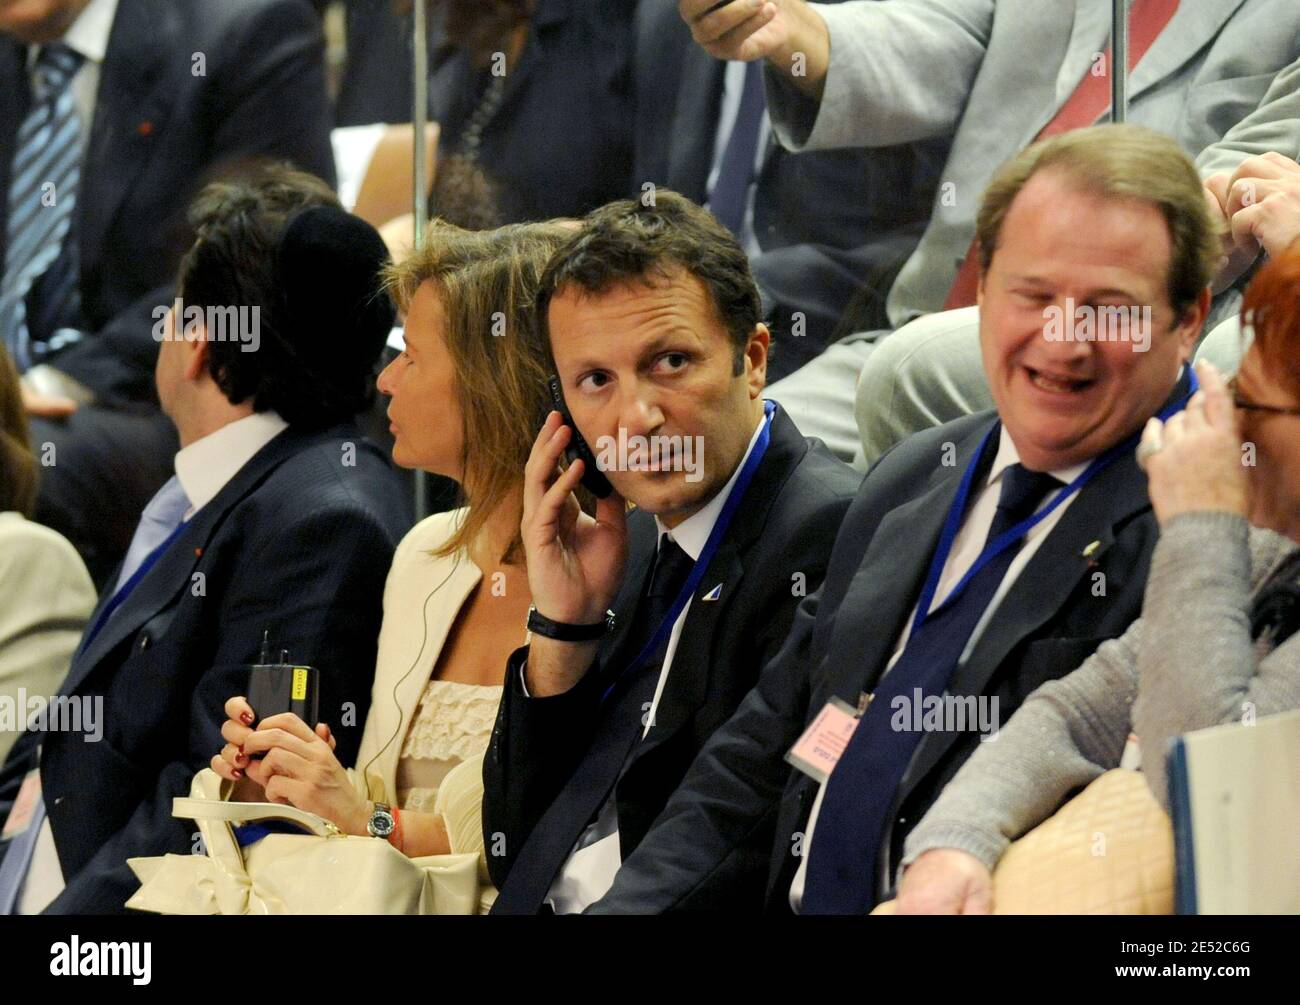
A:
541,625
381,823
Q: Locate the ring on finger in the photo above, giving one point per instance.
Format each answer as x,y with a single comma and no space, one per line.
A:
1147,448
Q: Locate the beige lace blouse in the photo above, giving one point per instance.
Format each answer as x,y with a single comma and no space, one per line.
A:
452,721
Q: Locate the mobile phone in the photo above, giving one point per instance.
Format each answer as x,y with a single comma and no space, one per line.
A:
593,479
276,685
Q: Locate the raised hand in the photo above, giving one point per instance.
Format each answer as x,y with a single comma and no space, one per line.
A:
790,34
1193,461
575,561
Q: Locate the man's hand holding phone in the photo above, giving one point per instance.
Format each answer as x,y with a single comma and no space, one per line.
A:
575,561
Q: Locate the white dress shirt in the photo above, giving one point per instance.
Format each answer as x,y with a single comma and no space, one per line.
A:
966,548
206,465
733,85
589,871
204,468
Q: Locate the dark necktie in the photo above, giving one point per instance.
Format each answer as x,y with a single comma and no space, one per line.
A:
42,196
730,195
860,792
672,566
634,687
620,728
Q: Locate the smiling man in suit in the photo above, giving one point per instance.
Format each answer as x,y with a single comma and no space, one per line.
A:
280,519
113,114
980,558
653,322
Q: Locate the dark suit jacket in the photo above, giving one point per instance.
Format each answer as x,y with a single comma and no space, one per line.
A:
779,540
1050,621
298,542
834,226
158,134
560,144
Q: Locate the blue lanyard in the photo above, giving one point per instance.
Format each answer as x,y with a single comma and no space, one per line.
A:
710,546
1012,535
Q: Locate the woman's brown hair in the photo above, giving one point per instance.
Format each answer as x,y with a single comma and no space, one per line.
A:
18,471
486,281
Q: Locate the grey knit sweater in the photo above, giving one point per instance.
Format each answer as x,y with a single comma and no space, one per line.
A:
1188,663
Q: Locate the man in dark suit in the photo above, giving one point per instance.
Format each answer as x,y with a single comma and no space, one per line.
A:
653,323
113,113
826,232
281,520
980,558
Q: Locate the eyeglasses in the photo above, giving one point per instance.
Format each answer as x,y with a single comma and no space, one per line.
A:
1254,406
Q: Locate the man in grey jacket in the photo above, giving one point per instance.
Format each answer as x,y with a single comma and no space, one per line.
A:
993,74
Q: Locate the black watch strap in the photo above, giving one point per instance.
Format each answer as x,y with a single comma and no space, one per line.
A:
541,625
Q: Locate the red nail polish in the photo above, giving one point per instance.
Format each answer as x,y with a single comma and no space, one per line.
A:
237,773
246,718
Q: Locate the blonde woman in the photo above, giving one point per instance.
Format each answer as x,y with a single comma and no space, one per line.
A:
468,394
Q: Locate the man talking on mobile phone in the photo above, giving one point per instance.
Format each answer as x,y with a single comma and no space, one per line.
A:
650,626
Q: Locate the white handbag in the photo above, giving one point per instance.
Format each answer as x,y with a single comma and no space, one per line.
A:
320,872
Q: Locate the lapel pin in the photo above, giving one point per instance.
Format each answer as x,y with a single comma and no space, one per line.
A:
1091,550
144,128
713,594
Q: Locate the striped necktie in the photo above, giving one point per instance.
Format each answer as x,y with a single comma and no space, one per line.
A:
42,197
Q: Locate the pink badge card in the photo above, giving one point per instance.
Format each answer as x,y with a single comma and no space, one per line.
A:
24,805
818,751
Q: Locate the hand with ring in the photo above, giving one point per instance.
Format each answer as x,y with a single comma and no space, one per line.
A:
1194,460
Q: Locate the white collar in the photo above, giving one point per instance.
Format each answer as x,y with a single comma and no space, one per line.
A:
90,32
88,35
1008,455
207,464
693,533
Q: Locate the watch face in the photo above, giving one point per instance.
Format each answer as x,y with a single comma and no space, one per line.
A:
382,823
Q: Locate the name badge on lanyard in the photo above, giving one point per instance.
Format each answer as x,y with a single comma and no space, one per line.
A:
822,744
20,815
